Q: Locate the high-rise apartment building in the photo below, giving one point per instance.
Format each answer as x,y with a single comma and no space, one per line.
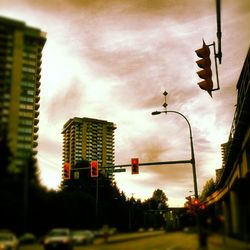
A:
20,71
88,139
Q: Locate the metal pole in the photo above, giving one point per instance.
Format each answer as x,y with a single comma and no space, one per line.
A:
192,151
219,34
96,201
193,169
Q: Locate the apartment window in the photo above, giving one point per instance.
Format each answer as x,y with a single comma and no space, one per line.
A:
29,76
29,62
30,92
29,55
25,114
29,70
26,99
8,65
26,106
22,145
5,112
28,84
25,122
24,138
27,130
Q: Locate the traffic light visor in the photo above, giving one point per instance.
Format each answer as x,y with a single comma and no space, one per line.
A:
204,63
203,52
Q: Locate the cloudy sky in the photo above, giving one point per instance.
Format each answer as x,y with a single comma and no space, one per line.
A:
113,59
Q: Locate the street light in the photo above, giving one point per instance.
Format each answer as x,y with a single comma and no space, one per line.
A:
192,161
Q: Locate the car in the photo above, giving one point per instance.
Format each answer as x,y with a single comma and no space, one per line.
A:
83,237
8,241
58,238
27,238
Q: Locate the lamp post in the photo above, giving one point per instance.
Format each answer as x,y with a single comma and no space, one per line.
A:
191,146
192,161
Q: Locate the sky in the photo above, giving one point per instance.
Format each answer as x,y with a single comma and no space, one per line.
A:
113,59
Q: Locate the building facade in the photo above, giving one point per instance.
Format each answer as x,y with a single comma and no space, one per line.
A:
89,139
231,197
20,71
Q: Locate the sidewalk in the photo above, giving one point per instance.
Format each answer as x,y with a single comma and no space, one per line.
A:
218,242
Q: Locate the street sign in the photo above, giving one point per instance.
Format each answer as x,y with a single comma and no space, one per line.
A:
119,170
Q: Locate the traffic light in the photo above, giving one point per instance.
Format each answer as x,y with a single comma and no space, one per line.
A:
196,202
135,166
66,171
206,72
94,168
189,205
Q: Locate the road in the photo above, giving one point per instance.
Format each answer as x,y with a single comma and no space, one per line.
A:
142,241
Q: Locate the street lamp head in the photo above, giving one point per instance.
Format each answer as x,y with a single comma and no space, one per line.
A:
156,113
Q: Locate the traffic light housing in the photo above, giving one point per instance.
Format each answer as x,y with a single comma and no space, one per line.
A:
203,206
193,205
189,205
66,171
94,168
135,166
196,202
206,72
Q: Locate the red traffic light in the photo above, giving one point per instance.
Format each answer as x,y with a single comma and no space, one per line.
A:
66,170
196,202
94,168
135,166
203,206
206,72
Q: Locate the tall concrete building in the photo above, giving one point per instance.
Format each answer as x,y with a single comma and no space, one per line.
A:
20,71
89,139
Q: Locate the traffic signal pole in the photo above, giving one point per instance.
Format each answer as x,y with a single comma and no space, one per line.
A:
219,34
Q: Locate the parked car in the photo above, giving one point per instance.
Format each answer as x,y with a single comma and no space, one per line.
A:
8,241
58,238
27,238
83,237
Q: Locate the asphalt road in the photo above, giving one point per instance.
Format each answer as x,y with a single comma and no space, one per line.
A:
156,241
138,241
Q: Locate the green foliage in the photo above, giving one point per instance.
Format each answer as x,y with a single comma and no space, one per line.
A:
208,189
158,201
81,203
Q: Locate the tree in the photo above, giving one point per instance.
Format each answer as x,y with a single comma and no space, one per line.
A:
154,209
158,201
208,189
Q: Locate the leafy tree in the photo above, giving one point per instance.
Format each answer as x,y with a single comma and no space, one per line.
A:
208,189
158,201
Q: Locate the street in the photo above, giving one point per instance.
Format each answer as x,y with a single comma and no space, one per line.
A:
142,241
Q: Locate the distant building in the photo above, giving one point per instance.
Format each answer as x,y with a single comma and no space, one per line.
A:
89,139
20,71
